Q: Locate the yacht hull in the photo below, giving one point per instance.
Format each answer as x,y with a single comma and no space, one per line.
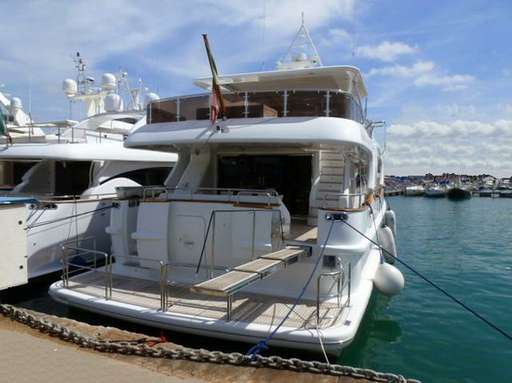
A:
334,338
459,194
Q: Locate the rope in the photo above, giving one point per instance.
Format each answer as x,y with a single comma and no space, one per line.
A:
263,344
433,284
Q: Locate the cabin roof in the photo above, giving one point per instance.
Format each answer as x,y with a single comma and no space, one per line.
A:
264,131
82,152
325,77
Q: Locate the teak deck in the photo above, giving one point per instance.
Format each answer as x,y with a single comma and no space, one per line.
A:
248,308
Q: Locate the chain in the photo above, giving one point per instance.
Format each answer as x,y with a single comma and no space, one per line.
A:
196,355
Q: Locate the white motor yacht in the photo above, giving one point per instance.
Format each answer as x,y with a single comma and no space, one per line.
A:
261,230
62,181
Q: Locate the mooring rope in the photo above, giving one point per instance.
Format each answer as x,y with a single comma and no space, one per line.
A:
435,285
263,344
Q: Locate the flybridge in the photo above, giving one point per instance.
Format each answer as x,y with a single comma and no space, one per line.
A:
341,78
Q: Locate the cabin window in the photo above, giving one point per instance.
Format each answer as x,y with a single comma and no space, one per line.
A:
194,108
299,103
163,111
304,104
12,172
343,105
145,177
290,176
265,104
71,177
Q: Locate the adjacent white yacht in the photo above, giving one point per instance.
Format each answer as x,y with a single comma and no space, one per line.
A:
70,174
259,231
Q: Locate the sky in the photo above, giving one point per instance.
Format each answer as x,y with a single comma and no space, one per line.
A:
438,72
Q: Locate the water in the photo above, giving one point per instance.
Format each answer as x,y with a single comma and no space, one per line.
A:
464,246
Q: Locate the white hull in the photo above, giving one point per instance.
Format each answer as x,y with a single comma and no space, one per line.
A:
50,228
333,338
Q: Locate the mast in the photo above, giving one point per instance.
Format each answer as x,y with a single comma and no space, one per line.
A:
302,52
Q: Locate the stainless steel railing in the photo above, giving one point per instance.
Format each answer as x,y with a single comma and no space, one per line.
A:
339,279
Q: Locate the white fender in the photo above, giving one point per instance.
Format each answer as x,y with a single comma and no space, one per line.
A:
387,241
388,279
390,220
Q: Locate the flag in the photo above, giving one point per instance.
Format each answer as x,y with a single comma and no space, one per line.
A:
217,108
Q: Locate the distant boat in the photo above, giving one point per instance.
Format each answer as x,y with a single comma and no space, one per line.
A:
505,193
415,190
459,192
435,191
485,192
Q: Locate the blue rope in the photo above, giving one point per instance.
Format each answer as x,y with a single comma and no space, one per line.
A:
263,344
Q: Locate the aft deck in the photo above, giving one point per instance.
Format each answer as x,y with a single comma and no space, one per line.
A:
246,308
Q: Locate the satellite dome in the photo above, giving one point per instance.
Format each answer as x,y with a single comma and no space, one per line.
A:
113,103
108,81
16,104
150,97
69,87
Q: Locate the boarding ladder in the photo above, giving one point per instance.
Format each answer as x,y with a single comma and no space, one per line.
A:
226,285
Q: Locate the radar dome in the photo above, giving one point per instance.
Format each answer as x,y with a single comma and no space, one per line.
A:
69,87
108,81
113,103
150,97
15,104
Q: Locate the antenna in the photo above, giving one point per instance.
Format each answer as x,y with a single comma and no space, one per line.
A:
302,52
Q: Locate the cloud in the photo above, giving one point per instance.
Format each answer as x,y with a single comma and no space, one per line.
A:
414,70
163,38
386,51
425,74
446,82
459,146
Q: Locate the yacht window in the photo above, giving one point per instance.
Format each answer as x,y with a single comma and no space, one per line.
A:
163,111
71,177
289,175
145,177
343,105
128,120
194,108
303,104
12,172
265,104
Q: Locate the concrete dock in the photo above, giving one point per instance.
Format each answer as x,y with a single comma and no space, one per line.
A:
31,356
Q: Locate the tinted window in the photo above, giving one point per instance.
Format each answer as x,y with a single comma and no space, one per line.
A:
145,177
71,177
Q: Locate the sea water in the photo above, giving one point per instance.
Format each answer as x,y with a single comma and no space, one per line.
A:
466,248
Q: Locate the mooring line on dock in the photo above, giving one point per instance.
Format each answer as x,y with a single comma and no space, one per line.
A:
194,355
435,285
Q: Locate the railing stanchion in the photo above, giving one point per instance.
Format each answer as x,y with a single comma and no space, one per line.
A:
253,233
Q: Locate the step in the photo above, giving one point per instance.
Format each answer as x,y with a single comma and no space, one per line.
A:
241,276
331,156
331,171
325,178
329,187
332,163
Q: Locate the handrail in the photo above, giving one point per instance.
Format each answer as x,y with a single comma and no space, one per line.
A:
152,190
211,222
339,279
339,195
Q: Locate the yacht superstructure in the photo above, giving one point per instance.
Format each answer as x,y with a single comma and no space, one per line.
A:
256,234
71,174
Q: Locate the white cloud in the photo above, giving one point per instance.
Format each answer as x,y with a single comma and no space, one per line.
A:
425,74
385,51
157,37
414,70
446,82
458,146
